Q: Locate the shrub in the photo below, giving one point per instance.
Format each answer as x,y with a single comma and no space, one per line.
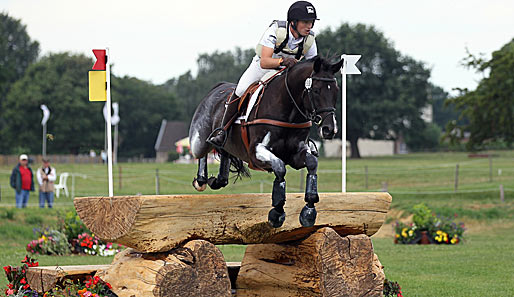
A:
172,156
392,289
49,242
72,225
439,229
8,214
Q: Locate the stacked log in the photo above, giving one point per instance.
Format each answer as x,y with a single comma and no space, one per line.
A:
161,223
172,251
324,264
196,269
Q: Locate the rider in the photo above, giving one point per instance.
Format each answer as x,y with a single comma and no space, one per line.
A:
282,45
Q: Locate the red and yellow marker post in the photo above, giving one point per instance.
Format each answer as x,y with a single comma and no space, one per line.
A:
100,90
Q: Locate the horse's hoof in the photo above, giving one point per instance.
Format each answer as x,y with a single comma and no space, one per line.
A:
275,218
216,183
198,187
308,216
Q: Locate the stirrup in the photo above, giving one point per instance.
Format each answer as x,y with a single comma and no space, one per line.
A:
217,146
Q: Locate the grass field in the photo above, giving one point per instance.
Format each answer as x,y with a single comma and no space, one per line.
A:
481,266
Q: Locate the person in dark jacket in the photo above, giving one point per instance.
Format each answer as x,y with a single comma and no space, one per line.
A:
22,181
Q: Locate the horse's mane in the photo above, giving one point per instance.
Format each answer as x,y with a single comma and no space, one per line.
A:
325,61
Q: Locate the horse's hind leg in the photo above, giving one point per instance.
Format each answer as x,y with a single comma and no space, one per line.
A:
277,215
222,180
308,214
200,181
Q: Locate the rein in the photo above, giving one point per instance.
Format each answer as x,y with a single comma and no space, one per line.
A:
314,116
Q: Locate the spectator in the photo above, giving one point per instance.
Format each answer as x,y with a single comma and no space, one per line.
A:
46,177
22,181
103,155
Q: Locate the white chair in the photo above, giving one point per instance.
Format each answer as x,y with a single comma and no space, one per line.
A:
62,184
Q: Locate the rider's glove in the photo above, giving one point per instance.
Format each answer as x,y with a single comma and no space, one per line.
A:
288,62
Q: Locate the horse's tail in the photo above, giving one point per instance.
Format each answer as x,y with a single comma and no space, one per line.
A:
237,166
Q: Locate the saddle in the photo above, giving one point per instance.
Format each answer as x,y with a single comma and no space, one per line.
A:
249,102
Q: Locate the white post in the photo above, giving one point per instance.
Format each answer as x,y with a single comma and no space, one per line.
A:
44,140
348,68
109,137
46,116
343,119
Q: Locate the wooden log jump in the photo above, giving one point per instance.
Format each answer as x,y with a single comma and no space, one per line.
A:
173,252
161,223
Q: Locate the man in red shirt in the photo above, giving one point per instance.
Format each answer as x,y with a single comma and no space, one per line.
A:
22,181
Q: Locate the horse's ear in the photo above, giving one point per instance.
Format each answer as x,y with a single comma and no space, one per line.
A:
317,64
337,66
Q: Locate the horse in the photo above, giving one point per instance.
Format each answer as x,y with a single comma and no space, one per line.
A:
275,134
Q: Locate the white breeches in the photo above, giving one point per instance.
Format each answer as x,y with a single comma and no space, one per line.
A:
252,74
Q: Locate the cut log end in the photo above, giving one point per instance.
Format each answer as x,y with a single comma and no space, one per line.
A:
195,269
324,264
108,217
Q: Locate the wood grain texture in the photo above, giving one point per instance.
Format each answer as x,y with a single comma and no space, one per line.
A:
44,278
325,264
195,269
160,223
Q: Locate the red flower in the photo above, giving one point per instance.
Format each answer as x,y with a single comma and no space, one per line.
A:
10,286
23,281
7,269
108,286
26,287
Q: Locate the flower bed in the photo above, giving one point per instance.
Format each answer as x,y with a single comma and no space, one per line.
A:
18,286
428,227
72,236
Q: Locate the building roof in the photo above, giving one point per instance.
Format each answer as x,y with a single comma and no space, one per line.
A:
170,133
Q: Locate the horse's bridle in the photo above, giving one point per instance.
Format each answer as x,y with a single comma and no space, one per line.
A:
315,114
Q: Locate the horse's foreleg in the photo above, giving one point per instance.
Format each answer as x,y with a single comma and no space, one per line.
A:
276,216
308,214
222,180
200,181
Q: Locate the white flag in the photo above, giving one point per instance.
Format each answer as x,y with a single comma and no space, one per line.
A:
46,114
351,68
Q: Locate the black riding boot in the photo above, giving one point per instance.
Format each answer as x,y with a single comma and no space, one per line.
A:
219,135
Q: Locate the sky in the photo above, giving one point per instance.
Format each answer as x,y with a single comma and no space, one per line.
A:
157,40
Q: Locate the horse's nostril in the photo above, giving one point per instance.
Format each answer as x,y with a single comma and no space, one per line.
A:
327,132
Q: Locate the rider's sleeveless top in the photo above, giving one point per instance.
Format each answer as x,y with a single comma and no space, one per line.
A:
281,46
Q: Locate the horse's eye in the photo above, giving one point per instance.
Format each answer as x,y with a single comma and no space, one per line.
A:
316,91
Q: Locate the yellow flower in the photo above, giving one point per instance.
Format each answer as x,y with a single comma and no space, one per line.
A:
397,235
44,238
411,232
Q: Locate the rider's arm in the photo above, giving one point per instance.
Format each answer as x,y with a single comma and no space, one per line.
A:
267,62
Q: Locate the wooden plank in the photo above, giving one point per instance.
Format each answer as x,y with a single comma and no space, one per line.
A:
44,278
160,223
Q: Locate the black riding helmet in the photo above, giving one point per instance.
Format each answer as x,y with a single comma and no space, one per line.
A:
301,11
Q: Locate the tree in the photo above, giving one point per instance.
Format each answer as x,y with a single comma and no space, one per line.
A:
443,111
387,99
489,109
17,52
77,125
60,82
143,106
212,68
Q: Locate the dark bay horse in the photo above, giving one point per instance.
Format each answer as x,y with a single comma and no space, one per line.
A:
277,132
